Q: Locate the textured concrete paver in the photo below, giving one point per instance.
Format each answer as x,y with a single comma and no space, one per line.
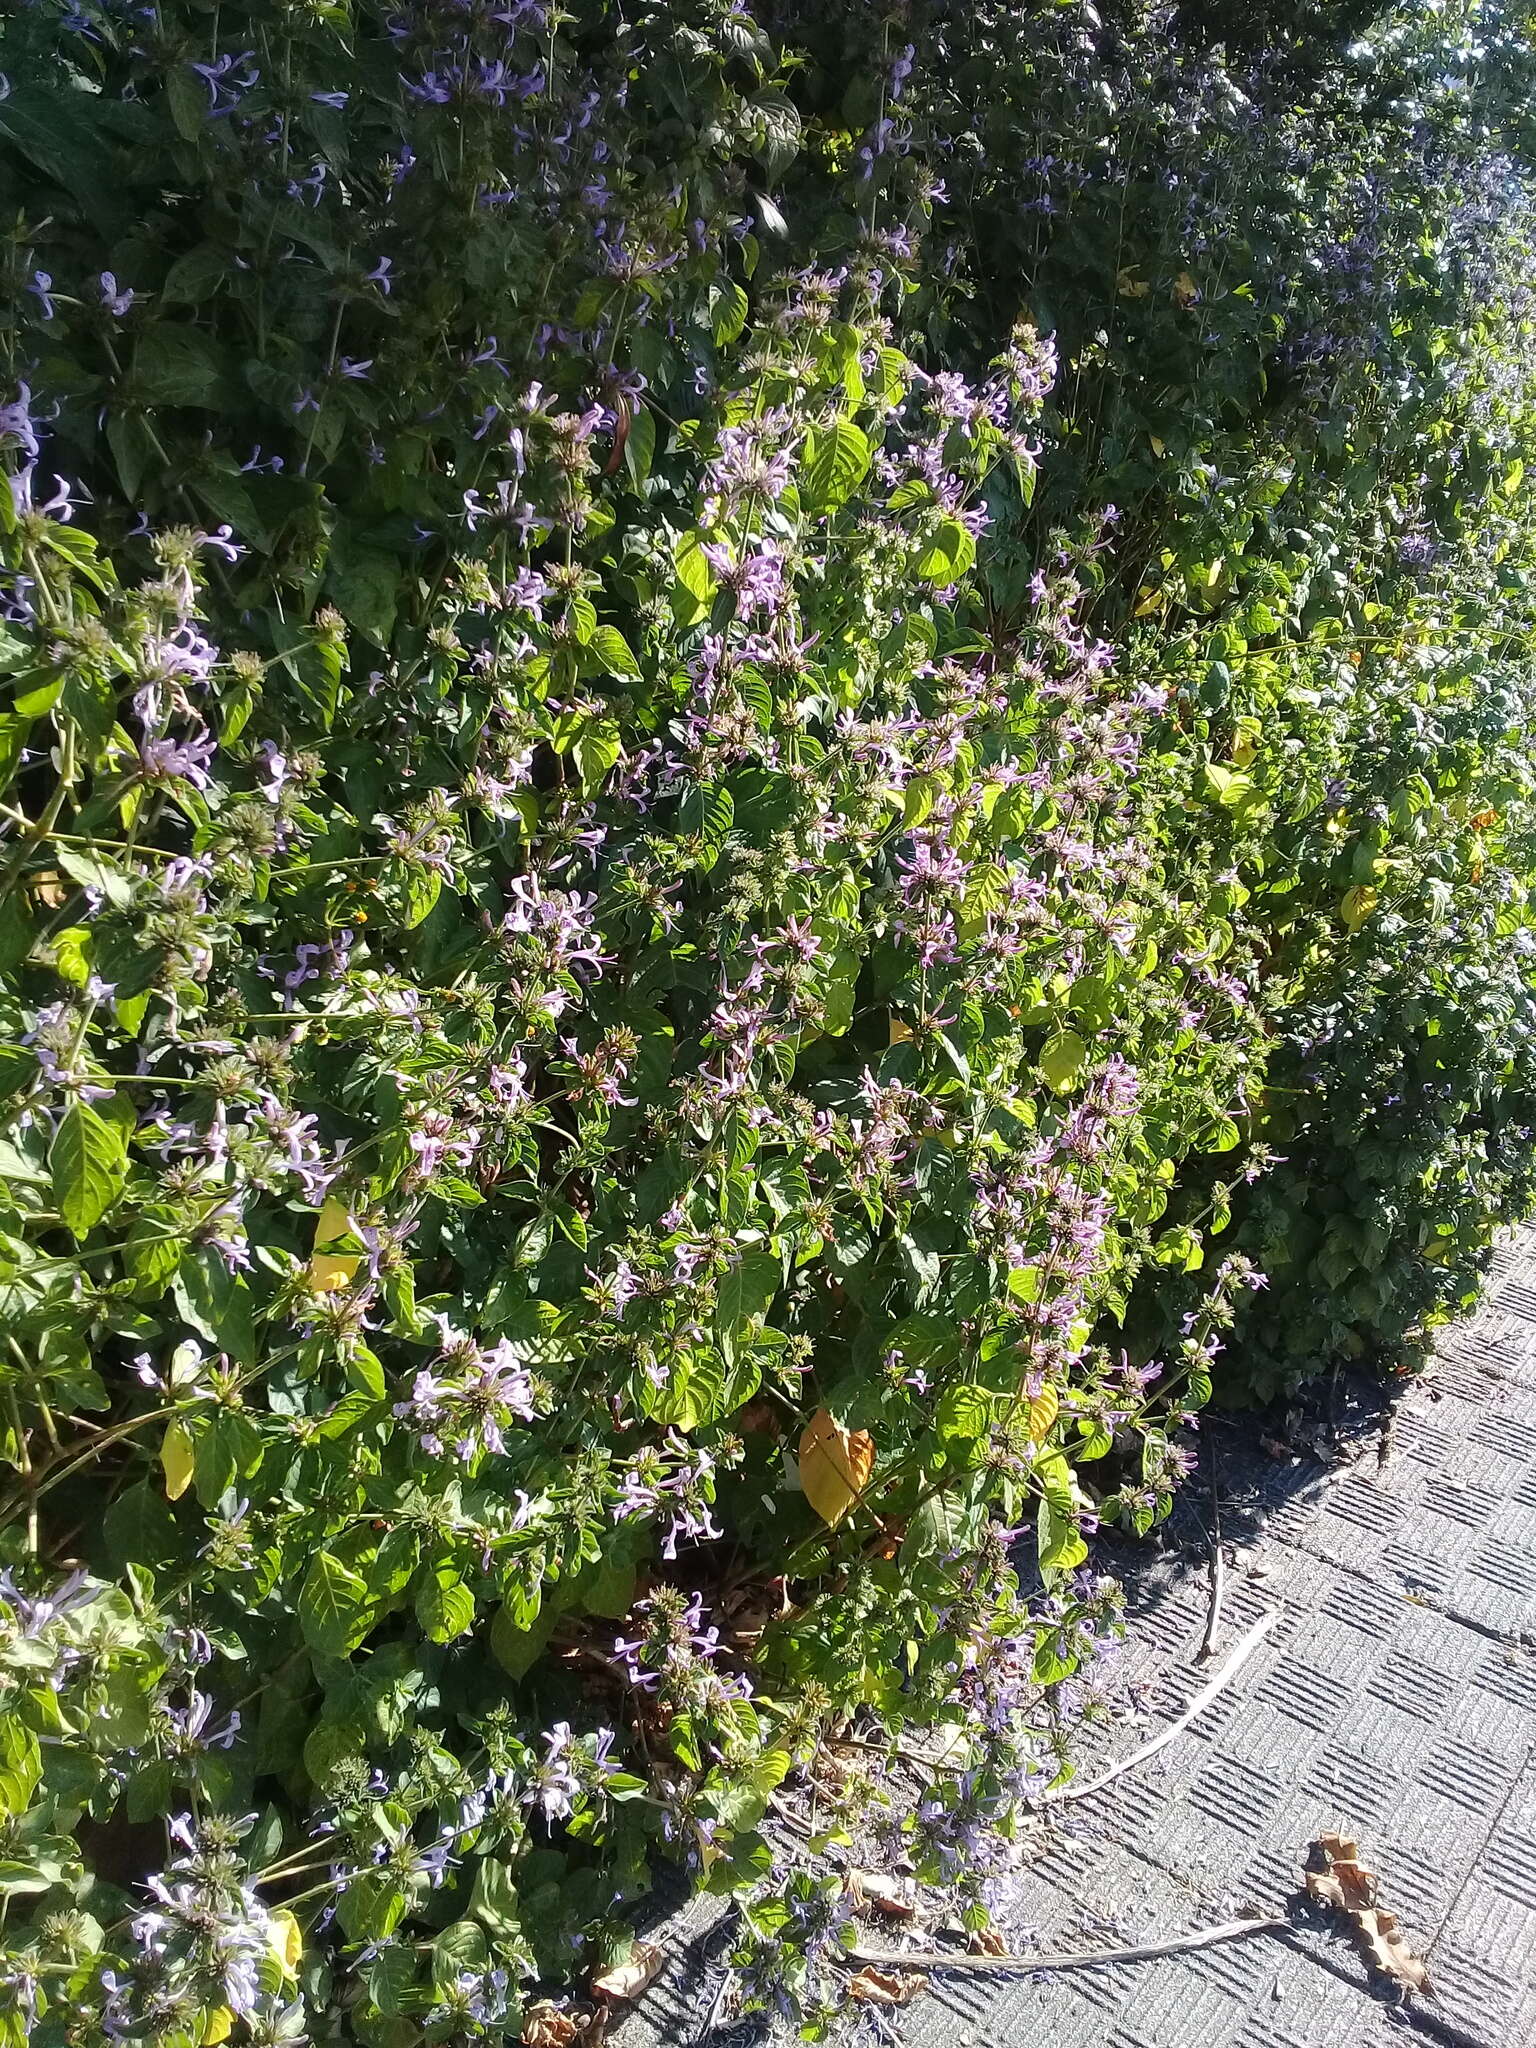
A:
1395,1700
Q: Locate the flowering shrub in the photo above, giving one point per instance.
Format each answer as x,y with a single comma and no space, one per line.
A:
617,1030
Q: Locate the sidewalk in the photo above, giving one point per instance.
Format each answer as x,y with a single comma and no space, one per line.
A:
1395,1700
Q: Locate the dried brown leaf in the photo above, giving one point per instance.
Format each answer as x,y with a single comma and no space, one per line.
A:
546,2026
883,1987
1350,1889
629,1978
986,1941
1391,1954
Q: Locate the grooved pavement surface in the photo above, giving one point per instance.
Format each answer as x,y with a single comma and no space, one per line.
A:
1395,1700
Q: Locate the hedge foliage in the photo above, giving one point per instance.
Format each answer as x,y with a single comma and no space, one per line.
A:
743,757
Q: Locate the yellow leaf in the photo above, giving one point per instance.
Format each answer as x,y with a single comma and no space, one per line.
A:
329,1271
286,1938
1043,1411
1185,290
217,2025
709,1852
1245,741
1128,286
835,1466
1158,447
900,1032
176,1462
1357,907
332,1221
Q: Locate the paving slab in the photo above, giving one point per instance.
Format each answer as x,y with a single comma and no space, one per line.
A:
1395,1700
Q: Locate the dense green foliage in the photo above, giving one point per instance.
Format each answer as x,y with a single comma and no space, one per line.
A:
726,795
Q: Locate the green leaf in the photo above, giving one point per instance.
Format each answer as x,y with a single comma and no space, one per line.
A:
748,1289
214,1461
88,1161
778,123
607,1588
13,741
198,275
707,811
334,1607
597,750
1060,1541
151,1254
694,590
613,651
516,1649
187,97
964,1413
1182,1247
179,366
445,1607
494,1901
458,1951
741,1799
94,870
941,1527
640,447
72,955
1062,1059
217,1303
372,1906
892,374
391,1980
61,133
694,1394
836,461
419,890
364,585
841,989
948,554
21,1765
728,313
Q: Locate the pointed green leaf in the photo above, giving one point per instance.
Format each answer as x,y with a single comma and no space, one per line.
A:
89,1163
613,651
334,1608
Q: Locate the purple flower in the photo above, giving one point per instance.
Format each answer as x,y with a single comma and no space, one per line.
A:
35,1614
116,301
757,580
16,425
189,1725
228,79
41,285
167,760
554,1784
